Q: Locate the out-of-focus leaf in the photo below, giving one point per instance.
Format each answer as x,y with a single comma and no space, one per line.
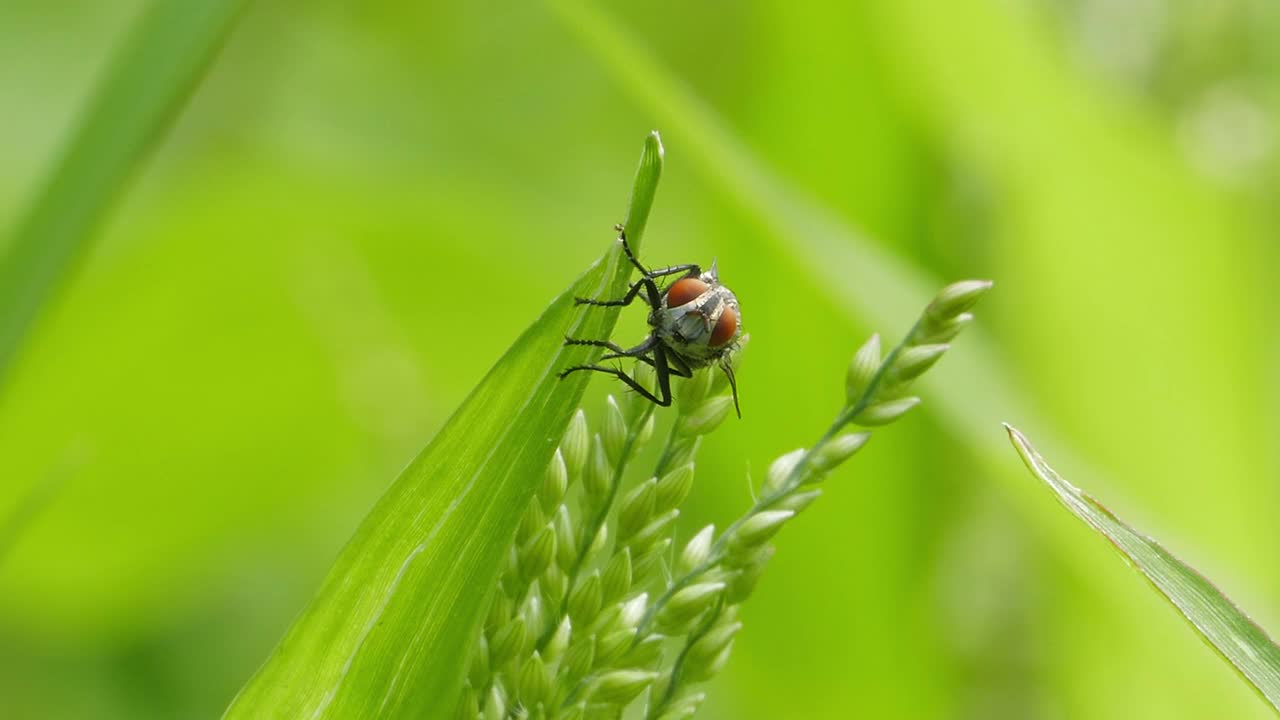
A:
389,632
140,93
1236,638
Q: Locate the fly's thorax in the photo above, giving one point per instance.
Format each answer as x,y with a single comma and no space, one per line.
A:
698,329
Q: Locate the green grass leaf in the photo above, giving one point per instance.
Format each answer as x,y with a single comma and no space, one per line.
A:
137,99
1236,638
389,632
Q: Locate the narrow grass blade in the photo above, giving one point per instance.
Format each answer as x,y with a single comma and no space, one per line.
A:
1236,638
137,98
390,629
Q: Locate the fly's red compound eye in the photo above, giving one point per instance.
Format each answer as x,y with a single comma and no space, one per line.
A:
685,290
726,326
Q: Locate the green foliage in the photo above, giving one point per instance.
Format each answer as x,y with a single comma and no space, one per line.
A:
406,597
1236,638
151,77
563,640
361,208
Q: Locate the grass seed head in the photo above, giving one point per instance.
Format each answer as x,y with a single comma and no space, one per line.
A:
886,412
862,368
576,444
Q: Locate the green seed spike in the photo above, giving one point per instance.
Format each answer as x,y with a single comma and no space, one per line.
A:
651,533
598,478
574,712
689,603
708,670
758,529
838,449
797,502
468,705
566,543
707,647
621,686
943,331
885,412
636,508
612,645
957,298
578,660
637,405
649,561
646,431
780,471
632,610
707,416
509,642
585,600
615,431
697,549
559,642
531,523
645,653
538,552
534,618
863,367
914,361
616,581
495,705
673,488
534,684
694,390
745,581
555,482
478,669
576,444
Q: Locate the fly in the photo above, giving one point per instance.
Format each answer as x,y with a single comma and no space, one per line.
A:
693,322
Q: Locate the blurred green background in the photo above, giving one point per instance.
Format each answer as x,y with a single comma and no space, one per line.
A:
364,204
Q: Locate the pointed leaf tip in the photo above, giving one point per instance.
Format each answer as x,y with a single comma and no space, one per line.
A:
1228,630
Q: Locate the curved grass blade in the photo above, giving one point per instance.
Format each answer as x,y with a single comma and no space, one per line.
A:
150,78
1237,639
389,632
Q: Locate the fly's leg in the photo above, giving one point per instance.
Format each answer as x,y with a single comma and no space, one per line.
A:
660,365
653,274
640,352
663,400
632,292
646,282
678,365
663,370
617,350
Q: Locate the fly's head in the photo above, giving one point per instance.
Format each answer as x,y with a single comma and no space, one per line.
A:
694,322
699,319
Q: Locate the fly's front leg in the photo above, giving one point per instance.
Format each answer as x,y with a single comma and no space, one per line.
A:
662,272
618,356
678,365
689,269
645,283
617,350
664,400
662,369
